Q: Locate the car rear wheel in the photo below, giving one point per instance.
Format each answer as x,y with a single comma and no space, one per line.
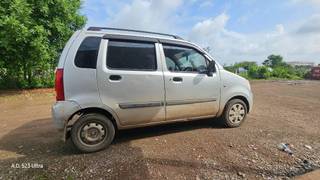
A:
92,132
234,113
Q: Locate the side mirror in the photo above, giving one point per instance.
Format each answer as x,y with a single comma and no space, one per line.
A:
211,68
202,70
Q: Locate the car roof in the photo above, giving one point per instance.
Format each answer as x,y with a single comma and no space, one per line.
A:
130,34
121,30
138,35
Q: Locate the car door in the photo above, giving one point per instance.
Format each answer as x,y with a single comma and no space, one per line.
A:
130,81
189,94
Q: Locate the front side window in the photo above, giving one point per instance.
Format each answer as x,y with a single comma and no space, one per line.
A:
183,59
136,56
87,53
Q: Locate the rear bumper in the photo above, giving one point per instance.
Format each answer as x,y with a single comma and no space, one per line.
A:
62,111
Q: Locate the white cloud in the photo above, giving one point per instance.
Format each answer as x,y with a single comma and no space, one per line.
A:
204,27
294,43
310,26
147,15
280,28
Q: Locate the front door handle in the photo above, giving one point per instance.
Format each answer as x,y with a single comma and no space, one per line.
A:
115,77
177,79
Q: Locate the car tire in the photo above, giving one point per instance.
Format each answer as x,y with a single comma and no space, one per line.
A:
235,113
92,132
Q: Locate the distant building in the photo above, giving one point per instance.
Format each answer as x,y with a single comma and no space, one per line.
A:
301,63
315,73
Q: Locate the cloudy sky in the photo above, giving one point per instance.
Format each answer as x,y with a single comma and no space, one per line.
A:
235,30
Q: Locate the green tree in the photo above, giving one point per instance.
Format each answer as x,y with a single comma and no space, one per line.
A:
302,71
264,72
253,72
245,64
274,61
32,33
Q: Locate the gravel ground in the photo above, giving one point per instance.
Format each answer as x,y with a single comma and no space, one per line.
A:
284,112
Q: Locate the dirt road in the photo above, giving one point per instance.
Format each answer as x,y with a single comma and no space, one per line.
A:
283,112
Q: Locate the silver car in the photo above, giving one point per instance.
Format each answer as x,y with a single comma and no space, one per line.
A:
109,79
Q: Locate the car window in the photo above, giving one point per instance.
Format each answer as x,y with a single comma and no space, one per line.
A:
87,53
139,56
183,59
171,65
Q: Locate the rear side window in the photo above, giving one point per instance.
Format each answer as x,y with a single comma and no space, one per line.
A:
136,56
87,53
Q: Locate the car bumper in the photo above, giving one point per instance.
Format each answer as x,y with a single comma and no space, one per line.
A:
250,99
62,111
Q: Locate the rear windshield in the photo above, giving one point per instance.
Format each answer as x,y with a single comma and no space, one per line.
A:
87,53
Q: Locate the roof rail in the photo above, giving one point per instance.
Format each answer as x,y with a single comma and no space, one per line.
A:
131,30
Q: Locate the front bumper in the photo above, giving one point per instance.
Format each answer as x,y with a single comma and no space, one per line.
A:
250,100
62,111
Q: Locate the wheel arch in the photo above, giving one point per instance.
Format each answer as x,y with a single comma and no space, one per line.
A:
244,99
73,118
237,96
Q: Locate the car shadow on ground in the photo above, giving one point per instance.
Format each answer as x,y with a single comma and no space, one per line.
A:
158,130
40,136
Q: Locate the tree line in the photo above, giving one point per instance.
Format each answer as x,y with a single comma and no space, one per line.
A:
32,35
274,67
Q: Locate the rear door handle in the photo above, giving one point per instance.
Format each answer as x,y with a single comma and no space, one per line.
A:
115,77
177,79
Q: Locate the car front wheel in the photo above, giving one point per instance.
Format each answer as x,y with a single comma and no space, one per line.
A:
234,113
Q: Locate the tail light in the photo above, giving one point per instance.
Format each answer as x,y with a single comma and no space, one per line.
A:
59,85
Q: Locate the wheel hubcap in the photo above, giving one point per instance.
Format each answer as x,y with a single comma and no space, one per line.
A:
237,113
92,133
